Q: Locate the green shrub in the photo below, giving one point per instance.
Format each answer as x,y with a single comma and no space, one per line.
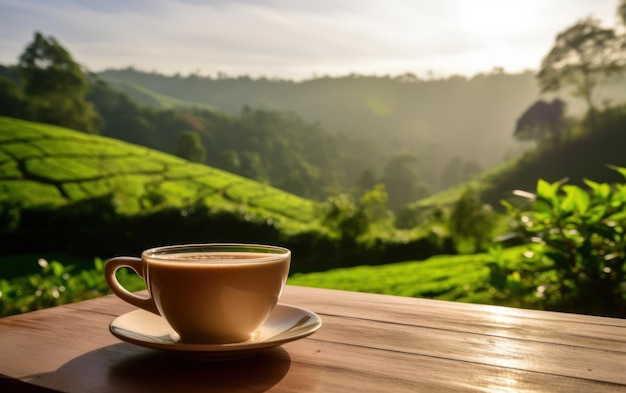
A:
576,261
58,284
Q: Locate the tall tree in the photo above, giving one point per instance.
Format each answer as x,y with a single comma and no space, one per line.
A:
542,121
190,147
621,11
12,101
581,57
471,220
56,86
402,182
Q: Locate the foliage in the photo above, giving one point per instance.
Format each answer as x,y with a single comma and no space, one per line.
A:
276,147
270,146
584,154
471,221
460,278
124,190
578,262
44,165
621,11
542,121
56,86
56,178
352,219
435,119
446,277
341,213
190,147
58,284
581,57
12,100
401,179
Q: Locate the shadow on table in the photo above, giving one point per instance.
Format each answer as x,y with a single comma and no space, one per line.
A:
124,367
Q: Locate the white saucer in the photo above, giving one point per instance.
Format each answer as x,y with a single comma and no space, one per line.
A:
286,323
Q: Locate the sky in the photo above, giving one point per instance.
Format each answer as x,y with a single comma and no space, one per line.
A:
299,39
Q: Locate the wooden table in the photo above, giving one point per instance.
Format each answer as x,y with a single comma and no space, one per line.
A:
368,343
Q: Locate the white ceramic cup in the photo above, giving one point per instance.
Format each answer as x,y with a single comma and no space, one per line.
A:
208,293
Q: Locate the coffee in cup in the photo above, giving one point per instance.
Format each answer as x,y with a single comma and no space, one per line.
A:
208,293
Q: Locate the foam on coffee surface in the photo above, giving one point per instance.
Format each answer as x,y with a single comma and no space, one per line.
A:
218,258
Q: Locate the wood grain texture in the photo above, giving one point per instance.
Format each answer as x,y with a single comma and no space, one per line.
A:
368,343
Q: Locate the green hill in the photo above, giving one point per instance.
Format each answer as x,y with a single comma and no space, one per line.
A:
68,192
580,154
47,165
437,120
76,195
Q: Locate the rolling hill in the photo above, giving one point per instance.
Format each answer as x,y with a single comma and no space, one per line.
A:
66,192
437,120
44,165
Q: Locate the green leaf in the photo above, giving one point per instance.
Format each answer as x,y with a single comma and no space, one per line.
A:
57,268
618,216
98,264
619,194
600,190
543,207
546,190
576,200
595,214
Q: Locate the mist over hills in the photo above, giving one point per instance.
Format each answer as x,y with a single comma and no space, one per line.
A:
445,123
435,119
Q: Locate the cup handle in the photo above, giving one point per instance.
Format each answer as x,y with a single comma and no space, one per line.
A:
112,266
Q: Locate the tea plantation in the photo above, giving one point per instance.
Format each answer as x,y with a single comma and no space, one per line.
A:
51,166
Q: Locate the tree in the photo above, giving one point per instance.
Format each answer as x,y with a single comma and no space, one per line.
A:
229,161
12,101
252,166
581,57
343,214
542,121
374,204
56,86
402,181
471,220
190,147
621,11
351,218
123,117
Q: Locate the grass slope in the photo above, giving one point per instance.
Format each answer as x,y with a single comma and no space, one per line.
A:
445,277
47,165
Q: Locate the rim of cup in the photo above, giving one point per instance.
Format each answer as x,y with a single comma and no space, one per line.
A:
169,252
